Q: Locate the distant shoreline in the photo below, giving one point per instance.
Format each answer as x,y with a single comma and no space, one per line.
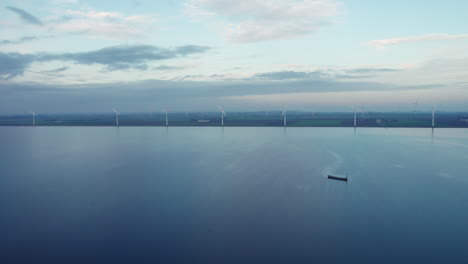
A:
244,119
227,126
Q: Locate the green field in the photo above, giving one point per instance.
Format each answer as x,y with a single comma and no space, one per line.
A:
409,123
318,123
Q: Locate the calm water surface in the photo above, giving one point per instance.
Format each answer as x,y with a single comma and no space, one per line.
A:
233,195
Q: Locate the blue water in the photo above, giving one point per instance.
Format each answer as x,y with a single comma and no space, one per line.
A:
233,195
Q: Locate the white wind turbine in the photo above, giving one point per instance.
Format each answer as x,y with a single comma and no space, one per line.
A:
356,109
33,118
284,115
223,114
117,114
167,122
416,105
434,109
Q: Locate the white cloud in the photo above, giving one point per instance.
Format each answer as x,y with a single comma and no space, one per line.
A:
107,24
447,72
65,1
263,20
382,43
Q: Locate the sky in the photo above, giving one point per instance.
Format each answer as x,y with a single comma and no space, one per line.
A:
70,56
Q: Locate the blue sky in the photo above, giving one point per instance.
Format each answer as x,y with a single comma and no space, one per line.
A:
314,55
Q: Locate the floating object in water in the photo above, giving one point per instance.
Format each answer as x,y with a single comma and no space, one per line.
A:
340,178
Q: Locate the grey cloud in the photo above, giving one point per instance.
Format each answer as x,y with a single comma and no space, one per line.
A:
14,64
25,16
322,74
217,75
167,68
22,40
114,58
61,69
350,76
142,95
371,70
189,49
286,75
18,41
126,57
183,78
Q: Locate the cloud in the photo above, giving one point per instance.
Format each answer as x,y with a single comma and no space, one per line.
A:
18,41
113,25
126,57
113,58
25,16
263,20
102,24
168,68
323,74
372,70
448,71
190,95
382,43
22,40
65,1
286,75
14,64
61,69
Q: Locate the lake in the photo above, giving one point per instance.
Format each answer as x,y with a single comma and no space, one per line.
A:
233,195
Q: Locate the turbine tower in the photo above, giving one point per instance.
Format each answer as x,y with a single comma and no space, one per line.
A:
223,114
356,109
416,103
434,109
167,122
33,118
117,113
284,115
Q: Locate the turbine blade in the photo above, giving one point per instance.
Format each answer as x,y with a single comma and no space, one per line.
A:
285,109
222,110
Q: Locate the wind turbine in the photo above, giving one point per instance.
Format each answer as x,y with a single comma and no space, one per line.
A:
356,109
117,113
416,104
223,114
284,115
34,118
434,109
167,122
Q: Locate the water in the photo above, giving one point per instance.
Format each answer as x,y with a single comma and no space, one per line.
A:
232,195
